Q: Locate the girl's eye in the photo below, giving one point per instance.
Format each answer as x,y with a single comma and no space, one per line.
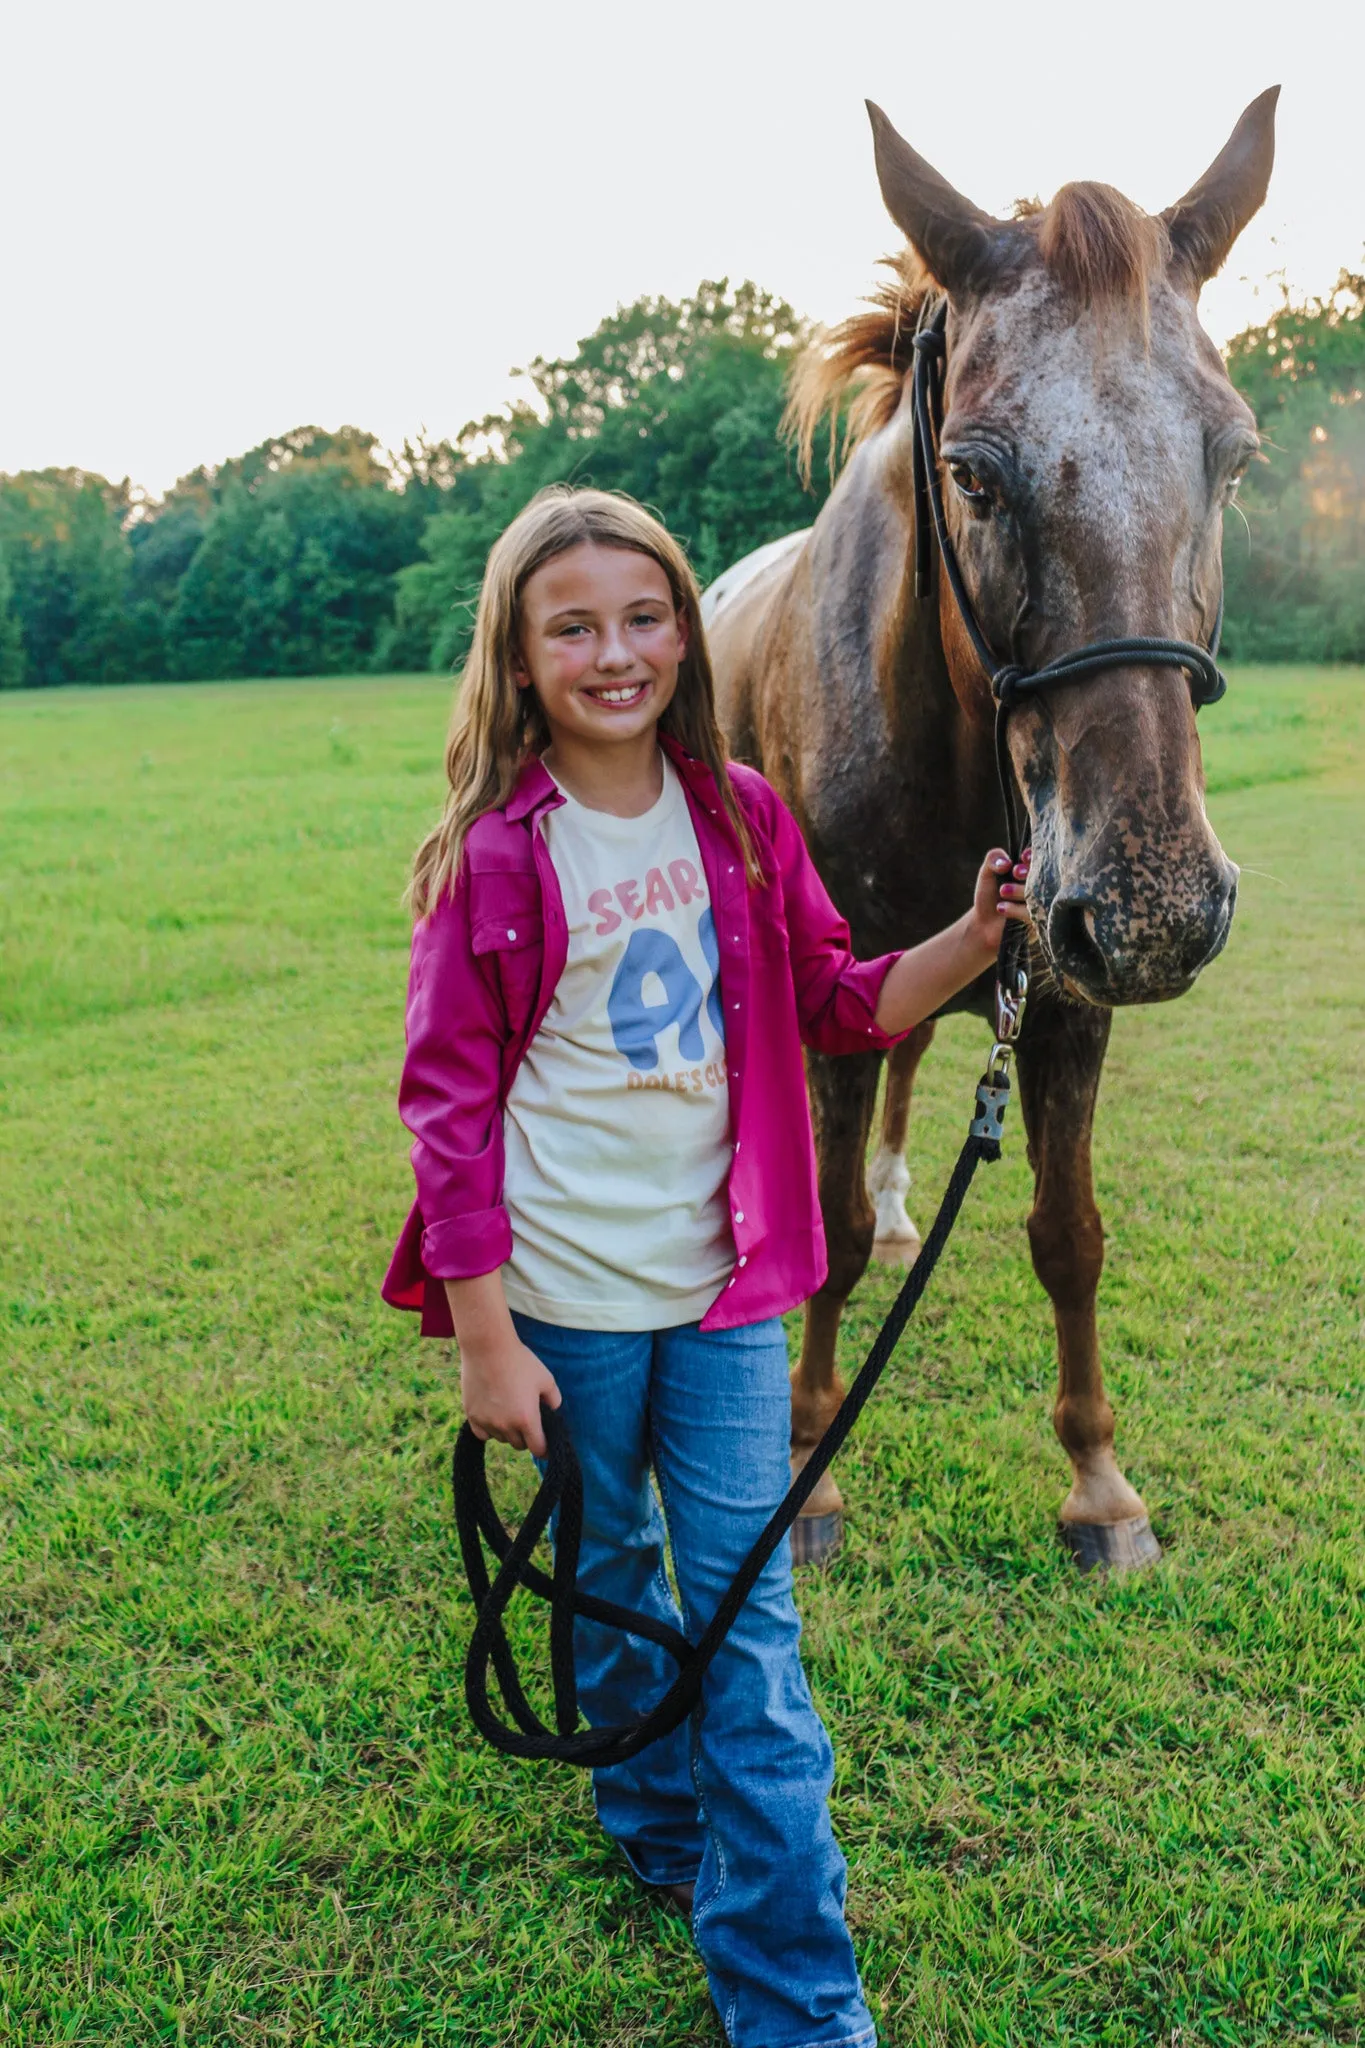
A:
969,484
645,619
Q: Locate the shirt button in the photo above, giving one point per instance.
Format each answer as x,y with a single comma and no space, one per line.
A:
734,1006
743,1258
511,935
739,1215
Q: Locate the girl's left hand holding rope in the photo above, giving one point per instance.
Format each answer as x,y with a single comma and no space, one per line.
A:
502,1382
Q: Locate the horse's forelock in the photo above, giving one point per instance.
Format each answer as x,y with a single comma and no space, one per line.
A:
1098,246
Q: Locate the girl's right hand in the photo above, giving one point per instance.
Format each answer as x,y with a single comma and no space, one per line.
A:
503,1385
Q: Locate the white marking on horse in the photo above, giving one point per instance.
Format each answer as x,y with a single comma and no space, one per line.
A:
732,580
888,1183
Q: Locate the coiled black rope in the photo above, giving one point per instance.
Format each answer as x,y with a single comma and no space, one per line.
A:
478,1522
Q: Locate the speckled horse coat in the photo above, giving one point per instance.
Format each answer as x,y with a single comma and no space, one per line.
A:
1090,442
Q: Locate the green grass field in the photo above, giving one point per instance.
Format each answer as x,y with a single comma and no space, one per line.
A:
238,1798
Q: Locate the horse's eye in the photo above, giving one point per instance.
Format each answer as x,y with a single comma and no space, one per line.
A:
969,484
1248,453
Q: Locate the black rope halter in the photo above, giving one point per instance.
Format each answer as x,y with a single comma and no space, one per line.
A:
1010,681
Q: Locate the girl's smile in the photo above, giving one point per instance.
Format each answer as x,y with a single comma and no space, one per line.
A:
622,693
601,641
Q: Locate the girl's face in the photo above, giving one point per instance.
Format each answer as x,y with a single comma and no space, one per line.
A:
600,644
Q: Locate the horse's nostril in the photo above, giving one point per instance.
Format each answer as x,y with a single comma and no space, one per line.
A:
1072,942
1232,874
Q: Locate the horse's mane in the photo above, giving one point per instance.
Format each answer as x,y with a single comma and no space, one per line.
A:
1098,246
853,372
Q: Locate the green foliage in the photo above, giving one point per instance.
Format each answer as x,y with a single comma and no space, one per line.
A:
290,578
316,553
313,553
62,534
164,542
677,403
292,573
239,1801
1296,569
11,634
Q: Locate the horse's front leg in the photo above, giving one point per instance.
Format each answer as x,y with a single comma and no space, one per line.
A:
843,1093
1103,1520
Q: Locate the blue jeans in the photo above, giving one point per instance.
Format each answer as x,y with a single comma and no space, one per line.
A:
738,1799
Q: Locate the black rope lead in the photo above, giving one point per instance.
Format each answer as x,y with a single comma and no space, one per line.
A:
478,1523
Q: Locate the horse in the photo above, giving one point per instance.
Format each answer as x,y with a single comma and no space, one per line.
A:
1089,443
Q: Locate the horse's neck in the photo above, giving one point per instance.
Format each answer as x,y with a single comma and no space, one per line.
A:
891,780
873,607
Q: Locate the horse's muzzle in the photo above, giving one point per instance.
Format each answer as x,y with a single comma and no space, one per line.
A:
1110,946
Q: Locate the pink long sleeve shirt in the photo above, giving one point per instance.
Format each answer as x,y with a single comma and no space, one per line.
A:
485,964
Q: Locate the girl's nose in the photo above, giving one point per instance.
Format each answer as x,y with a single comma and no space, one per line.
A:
613,651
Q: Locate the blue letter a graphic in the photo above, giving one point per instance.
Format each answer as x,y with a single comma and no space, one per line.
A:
636,1024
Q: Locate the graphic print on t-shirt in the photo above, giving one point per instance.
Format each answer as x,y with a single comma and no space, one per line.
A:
667,976
617,1122
654,959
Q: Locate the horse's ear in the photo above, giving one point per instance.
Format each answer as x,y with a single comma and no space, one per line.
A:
1204,224
954,237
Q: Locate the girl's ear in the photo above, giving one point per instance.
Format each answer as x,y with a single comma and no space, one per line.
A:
684,634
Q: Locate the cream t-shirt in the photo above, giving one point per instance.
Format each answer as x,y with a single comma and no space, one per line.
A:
617,1123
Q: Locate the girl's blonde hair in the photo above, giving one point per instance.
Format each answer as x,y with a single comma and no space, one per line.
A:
496,725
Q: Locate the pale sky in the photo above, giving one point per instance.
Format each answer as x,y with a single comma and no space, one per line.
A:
221,221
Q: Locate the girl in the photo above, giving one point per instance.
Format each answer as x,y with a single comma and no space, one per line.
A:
621,944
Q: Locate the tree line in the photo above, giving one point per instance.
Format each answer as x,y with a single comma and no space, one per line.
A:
1294,560
321,553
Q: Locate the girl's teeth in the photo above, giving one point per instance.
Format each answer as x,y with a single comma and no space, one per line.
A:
618,696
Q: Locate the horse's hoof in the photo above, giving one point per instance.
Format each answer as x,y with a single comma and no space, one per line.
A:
897,1251
815,1538
1111,1546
